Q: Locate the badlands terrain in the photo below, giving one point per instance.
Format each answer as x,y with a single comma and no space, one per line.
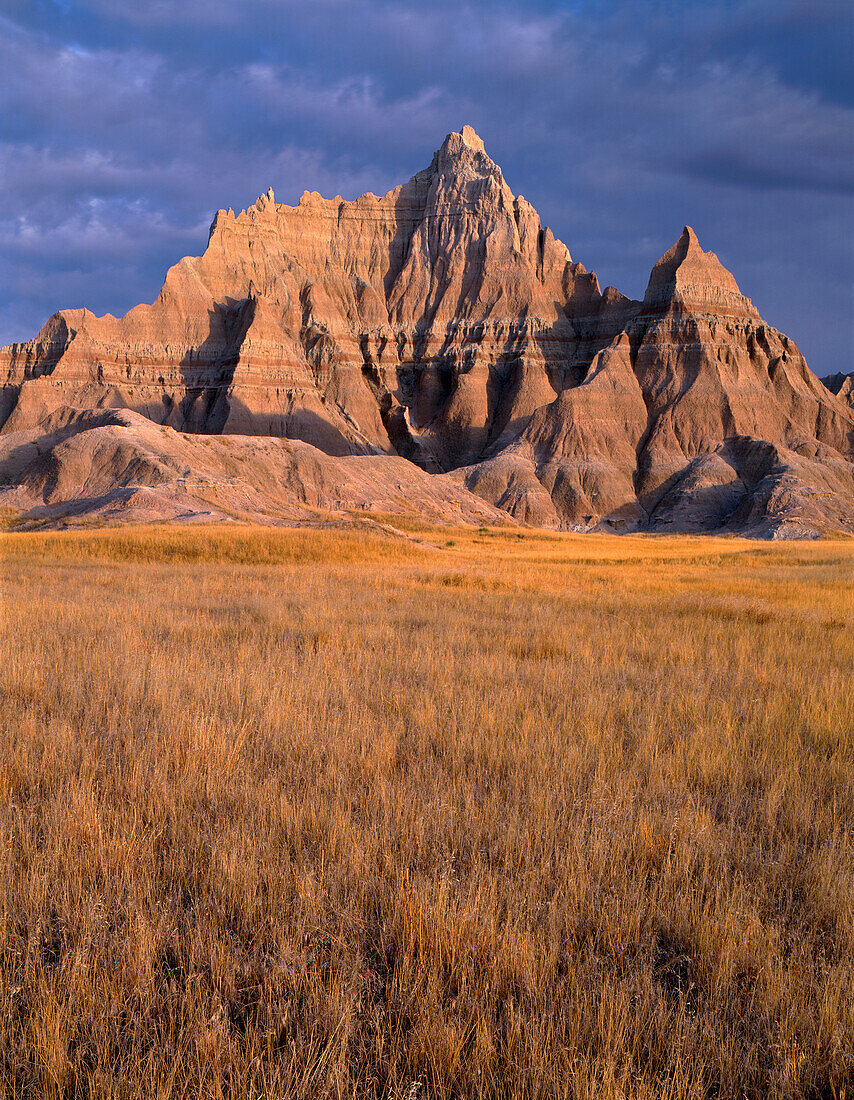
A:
434,351
451,814
375,731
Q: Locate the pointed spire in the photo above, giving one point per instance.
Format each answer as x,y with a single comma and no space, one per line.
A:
689,278
464,147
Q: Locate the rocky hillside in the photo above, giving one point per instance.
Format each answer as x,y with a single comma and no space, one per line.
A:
442,323
842,385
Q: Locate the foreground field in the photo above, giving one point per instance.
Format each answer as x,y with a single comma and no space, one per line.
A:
313,814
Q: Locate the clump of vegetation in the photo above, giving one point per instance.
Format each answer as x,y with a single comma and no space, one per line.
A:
304,814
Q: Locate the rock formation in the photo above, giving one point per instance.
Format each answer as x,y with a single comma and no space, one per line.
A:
666,430
443,324
842,385
116,465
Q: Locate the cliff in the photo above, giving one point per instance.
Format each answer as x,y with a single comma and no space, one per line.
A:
444,324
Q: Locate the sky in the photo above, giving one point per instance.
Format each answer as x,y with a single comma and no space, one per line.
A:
125,124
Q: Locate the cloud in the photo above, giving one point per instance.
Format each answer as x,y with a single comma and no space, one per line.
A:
126,125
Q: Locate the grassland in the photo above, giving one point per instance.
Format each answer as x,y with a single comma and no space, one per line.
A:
451,814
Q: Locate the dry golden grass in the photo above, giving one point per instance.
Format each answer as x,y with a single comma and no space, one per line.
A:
315,814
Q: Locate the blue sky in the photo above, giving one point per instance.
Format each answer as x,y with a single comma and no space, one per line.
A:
124,125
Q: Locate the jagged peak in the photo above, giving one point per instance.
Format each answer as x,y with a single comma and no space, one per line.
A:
472,138
835,382
265,200
464,147
689,277
687,257
462,154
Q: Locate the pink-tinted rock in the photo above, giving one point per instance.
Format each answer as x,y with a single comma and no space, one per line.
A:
443,323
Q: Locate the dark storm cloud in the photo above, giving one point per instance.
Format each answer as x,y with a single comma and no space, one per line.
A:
123,126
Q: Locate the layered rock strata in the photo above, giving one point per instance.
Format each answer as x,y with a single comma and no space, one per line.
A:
442,323
667,429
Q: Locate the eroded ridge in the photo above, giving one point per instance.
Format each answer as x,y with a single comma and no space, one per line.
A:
442,323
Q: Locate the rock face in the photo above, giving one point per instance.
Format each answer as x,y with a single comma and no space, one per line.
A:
667,429
842,385
115,465
443,324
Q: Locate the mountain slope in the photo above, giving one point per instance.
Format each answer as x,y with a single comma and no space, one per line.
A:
444,324
842,385
659,433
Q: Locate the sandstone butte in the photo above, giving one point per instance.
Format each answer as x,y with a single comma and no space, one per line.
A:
436,351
